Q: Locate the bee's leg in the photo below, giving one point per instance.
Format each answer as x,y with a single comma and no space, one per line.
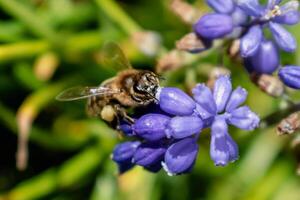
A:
121,112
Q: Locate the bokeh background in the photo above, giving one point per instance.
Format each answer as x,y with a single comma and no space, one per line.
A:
47,46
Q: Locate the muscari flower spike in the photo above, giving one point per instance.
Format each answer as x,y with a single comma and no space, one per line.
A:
246,20
271,16
169,138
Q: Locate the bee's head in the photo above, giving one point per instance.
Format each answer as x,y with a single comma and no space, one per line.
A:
147,84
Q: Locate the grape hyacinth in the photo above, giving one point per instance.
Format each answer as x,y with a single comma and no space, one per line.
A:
168,139
270,16
247,21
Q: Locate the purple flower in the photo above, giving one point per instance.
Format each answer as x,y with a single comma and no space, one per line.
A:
266,58
180,156
212,26
151,126
222,106
175,102
170,141
149,154
123,154
223,149
181,127
251,41
290,76
271,16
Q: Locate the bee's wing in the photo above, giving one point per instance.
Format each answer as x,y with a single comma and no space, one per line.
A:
113,57
80,92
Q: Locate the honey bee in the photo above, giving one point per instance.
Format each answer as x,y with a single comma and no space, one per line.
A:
129,88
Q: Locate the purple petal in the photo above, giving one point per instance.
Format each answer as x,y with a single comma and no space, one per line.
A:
239,17
238,97
251,7
180,156
203,96
124,151
219,150
221,6
266,58
122,155
289,13
290,76
126,128
251,41
174,101
151,126
283,38
290,18
222,91
290,6
202,113
272,3
233,148
148,154
212,26
181,127
243,118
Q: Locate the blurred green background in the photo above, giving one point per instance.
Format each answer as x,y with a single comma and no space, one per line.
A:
49,45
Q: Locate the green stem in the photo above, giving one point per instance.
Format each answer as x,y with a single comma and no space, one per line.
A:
116,14
37,135
277,116
63,177
25,14
81,42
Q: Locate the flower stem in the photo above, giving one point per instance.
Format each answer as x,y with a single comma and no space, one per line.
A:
277,116
65,176
116,14
25,14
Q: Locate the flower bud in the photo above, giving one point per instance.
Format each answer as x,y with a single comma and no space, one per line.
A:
290,76
181,127
151,126
180,156
266,58
123,153
213,26
174,101
148,154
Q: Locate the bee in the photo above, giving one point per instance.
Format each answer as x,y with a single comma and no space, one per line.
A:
130,88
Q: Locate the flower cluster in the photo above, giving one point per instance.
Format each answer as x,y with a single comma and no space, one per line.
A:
168,138
248,20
